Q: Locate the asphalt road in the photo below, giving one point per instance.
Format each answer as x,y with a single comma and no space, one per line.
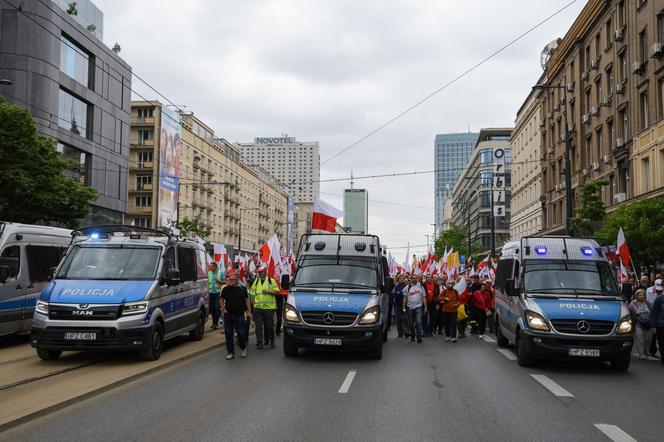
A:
430,391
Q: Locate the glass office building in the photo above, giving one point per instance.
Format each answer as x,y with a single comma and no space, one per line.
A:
451,153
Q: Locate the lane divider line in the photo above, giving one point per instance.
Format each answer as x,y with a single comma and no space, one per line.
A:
489,339
614,433
508,354
349,380
550,385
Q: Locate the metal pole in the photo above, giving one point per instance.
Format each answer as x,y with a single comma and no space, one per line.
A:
427,242
177,207
569,195
239,233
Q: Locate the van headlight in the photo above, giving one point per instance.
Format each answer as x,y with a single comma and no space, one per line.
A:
42,307
134,308
290,314
625,325
370,316
536,321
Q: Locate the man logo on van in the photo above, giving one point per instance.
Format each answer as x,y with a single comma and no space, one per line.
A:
82,313
579,306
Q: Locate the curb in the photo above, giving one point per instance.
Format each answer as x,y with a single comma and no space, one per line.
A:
68,402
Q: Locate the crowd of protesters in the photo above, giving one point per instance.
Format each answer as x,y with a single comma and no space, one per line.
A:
646,304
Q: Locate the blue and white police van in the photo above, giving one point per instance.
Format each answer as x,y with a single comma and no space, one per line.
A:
557,298
122,288
340,296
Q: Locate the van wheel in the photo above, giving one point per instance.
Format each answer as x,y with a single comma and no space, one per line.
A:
48,355
384,334
153,351
290,350
621,364
197,333
522,356
377,352
501,340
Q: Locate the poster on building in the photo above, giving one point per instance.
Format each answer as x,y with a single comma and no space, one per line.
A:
169,166
290,242
499,182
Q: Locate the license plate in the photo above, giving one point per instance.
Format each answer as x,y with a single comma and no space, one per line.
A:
80,336
327,341
585,352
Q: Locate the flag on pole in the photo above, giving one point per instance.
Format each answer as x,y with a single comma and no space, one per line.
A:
623,250
325,216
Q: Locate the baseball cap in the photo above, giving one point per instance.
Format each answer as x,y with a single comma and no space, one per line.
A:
658,284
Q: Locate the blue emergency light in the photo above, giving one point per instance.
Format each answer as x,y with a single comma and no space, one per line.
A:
588,251
94,235
540,250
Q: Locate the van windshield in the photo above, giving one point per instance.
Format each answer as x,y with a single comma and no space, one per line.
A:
110,262
570,277
337,271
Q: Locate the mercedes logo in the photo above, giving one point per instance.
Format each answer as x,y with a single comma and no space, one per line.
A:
583,326
328,317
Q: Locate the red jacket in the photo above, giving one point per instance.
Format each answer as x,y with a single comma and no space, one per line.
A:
481,300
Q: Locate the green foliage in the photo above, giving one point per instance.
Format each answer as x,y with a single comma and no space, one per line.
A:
72,9
116,48
456,237
189,228
643,224
92,28
34,187
591,209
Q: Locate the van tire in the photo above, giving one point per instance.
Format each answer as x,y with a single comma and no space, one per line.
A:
501,340
377,351
522,356
621,364
156,344
48,355
290,351
384,334
197,333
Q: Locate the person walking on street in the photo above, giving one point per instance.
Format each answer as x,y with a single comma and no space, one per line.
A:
657,323
235,305
472,314
651,295
640,311
415,304
397,292
480,301
449,302
281,300
264,289
215,283
432,294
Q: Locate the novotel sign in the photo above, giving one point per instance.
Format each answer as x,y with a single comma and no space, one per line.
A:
274,140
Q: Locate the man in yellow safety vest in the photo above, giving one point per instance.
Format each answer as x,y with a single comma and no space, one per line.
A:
264,289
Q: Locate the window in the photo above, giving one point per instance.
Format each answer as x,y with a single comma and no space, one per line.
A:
610,132
660,27
75,62
645,175
73,114
643,114
187,264
41,259
145,112
587,58
660,97
143,221
11,258
599,141
144,201
142,180
597,47
589,102
201,264
486,157
589,148
486,178
598,91
608,33
623,124
145,135
144,157
609,81
79,163
643,46
622,14
622,67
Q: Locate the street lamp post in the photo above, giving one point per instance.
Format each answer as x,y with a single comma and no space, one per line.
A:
569,196
6,82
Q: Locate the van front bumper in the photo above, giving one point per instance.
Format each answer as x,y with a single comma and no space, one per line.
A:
352,338
557,346
106,338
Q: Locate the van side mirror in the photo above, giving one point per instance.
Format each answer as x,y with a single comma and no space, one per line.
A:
172,277
509,287
4,274
51,273
285,281
389,285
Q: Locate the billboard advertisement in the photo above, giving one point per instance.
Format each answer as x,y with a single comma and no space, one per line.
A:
290,241
169,166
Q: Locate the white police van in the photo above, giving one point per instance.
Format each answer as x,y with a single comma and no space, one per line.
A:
557,298
28,254
340,296
122,288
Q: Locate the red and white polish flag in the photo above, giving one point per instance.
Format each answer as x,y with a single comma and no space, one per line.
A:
623,250
325,216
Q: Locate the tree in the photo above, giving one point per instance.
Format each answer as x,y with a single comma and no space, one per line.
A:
456,237
643,224
591,210
116,48
34,189
71,10
189,228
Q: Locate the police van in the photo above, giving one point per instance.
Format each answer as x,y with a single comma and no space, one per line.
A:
557,298
28,254
122,288
339,298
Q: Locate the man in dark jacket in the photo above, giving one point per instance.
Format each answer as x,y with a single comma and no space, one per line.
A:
397,293
475,285
657,323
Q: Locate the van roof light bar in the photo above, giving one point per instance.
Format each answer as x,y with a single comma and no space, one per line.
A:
112,229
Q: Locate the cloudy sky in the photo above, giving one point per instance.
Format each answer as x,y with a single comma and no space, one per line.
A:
333,71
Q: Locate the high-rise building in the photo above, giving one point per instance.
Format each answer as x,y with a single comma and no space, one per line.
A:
78,91
356,211
451,153
294,163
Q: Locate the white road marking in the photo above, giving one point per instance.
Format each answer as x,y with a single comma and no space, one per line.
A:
508,354
489,339
550,385
614,433
349,380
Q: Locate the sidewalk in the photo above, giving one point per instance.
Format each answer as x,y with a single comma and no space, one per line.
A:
30,387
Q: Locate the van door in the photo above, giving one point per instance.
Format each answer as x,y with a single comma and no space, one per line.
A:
506,305
41,259
185,312
12,289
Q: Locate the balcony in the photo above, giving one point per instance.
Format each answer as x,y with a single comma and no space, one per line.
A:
135,120
145,165
142,188
142,144
134,210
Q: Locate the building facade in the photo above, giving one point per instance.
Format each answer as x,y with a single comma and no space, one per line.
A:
241,205
607,75
356,211
526,205
482,195
78,91
451,153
